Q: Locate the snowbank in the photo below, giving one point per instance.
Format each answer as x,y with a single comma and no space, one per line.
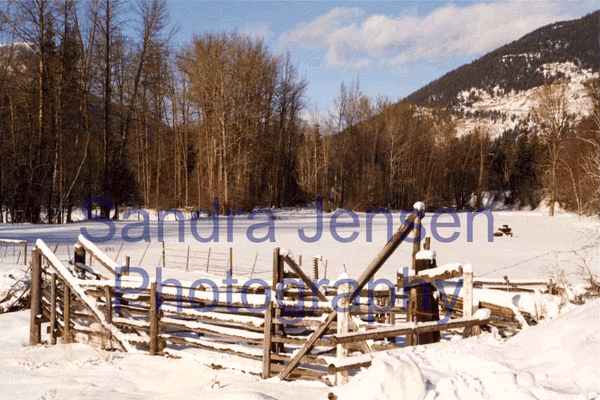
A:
393,375
558,359
566,349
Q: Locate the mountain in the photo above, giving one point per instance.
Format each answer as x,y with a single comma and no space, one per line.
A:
497,89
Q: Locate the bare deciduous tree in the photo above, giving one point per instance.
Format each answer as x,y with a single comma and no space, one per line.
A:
551,113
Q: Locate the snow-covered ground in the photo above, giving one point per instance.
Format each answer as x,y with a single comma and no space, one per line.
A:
539,247
556,359
559,359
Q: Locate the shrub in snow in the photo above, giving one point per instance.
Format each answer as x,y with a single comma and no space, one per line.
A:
14,288
559,285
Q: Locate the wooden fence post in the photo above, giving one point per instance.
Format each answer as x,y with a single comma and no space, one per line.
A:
411,339
266,372
66,313
390,317
277,277
208,259
164,256
425,294
53,309
343,322
125,269
230,262
79,257
467,291
187,259
25,254
417,242
153,320
475,329
36,298
79,254
108,296
315,268
427,244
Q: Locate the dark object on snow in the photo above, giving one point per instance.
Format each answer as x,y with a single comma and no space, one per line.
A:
505,230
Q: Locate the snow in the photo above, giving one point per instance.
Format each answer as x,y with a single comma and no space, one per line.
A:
482,313
570,343
91,247
468,268
425,255
445,269
539,243
538,305
390,376
242,395
13,241
516,282
519,104
419,206
556,359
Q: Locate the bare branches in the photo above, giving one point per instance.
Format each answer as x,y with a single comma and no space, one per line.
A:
551,114
248,104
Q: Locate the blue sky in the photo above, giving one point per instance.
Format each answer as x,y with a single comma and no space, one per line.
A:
393,47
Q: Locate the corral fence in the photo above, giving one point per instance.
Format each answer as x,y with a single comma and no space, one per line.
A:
290,327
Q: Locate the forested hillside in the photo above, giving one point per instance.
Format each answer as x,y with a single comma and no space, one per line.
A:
517,66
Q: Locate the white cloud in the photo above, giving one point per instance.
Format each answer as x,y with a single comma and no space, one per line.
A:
317,32
351,40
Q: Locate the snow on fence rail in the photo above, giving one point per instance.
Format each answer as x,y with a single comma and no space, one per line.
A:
267,326
513,285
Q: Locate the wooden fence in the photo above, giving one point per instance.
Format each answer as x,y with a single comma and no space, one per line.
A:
283,328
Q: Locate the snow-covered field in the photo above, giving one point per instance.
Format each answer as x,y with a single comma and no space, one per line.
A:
556,359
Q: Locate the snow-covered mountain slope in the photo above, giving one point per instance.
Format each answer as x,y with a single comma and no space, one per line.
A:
498,111
497,91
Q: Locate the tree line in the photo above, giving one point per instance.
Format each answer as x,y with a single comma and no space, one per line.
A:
373,153
96,101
